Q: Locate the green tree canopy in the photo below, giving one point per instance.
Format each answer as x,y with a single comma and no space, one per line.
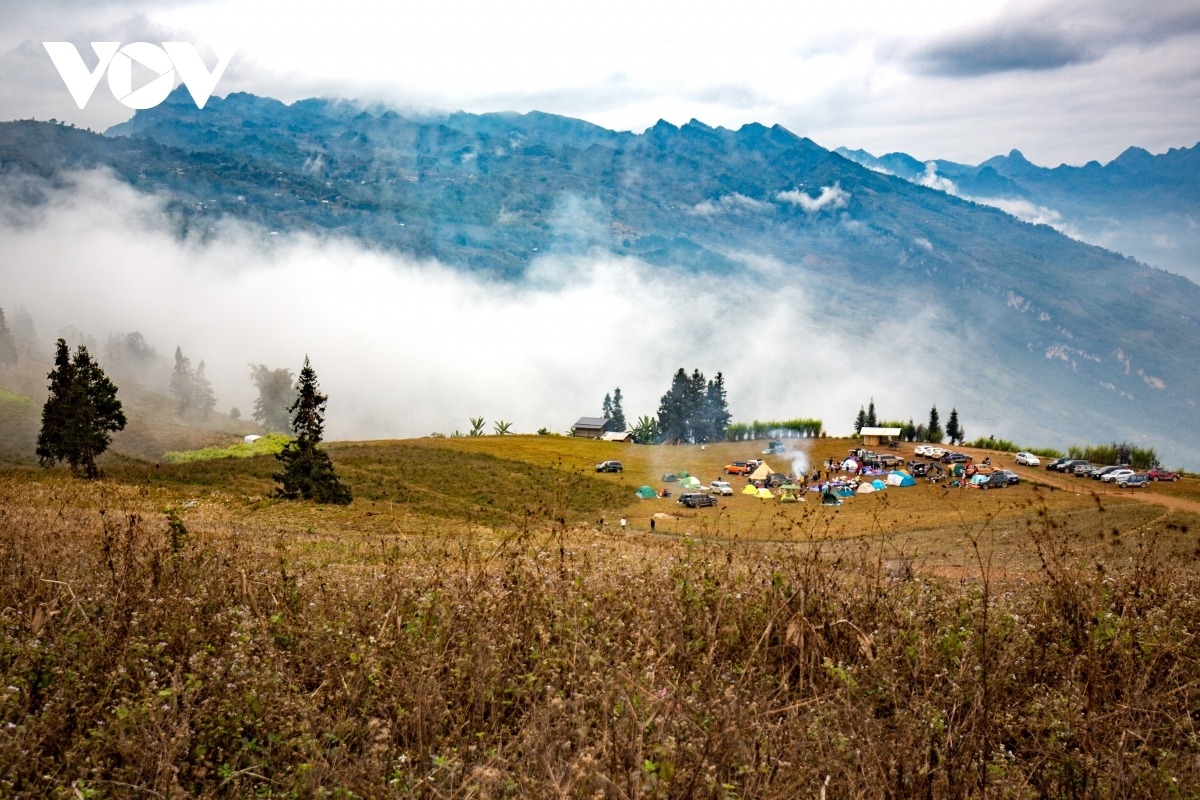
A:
274,388
81,413
8,345
307,470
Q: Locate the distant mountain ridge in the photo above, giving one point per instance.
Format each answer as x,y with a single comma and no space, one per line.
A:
1141,204
1017,320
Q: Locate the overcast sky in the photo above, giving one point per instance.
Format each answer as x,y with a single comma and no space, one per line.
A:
1064,81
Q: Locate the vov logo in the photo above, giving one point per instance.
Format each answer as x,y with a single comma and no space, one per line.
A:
163,61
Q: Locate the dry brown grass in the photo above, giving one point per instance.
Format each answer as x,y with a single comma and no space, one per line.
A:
237,646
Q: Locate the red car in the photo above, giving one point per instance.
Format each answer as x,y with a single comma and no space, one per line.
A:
1161,475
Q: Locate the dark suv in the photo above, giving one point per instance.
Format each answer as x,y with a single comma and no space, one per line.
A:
609,466
697,500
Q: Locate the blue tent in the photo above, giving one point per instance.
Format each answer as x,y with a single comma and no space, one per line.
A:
901,479
878,484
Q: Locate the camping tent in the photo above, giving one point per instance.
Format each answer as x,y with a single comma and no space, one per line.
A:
850,465
764,494
669,477
789,495
762,473
878,484
750,489
645,492
830,499
683,474
900,479
690,482
865,488
979,479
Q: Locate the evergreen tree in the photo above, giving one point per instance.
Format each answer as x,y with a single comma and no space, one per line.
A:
860,421
274,387
81,413
673,409
181,381
909,431
202,391
697,416
953,429
717,408
8,345
617,414
606,408
871,421
307,470
933,431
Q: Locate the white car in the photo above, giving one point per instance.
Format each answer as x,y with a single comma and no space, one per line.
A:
936,452
1117,475
1028,459
921,450
720,487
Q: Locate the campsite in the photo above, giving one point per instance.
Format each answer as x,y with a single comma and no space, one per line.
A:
492,617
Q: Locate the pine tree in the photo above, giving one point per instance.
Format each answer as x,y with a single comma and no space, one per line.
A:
871,421
933,431
606,408
307,470
202,391
717,408
271,407
181,381
860,421
8,345
673,409
909,432
81,413
617,414
953,429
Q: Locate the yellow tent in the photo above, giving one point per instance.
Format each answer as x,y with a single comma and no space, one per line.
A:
764,470
764,494
749,489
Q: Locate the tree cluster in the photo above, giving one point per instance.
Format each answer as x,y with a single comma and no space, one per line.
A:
693,410
307,471
611,409
80,415
274,392
190,387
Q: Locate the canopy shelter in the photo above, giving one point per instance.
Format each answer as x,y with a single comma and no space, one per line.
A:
646,493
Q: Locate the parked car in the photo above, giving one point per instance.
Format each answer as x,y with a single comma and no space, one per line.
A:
1028,459
774,447
888,460
1056,463
1010,476
1091,470
921,450
1099,472
997,480
777,479
609,466
696,499
1161,475
1068,465
936,452
1080,469
1118,475
918,469
1135,481
720,487
738,468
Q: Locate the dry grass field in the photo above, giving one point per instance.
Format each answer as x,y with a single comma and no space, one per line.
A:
466,629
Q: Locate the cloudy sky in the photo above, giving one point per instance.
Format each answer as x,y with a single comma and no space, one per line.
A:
1064,81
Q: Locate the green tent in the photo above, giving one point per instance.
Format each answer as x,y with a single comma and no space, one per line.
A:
646,493
683,474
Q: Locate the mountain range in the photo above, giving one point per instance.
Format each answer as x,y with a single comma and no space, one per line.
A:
1043,337
1143,205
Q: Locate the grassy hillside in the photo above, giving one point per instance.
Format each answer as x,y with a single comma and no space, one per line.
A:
466,629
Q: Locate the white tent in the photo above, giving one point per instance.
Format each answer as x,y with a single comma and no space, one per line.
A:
850,465
865,488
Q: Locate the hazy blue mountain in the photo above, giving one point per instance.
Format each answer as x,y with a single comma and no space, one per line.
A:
1144,205
1028,328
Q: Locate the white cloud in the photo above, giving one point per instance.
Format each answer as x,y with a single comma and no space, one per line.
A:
831,197
932,180
729,203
